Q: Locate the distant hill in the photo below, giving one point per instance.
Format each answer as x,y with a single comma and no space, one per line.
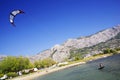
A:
88,45
2,57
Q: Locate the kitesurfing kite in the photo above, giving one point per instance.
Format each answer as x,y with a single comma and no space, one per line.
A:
13,14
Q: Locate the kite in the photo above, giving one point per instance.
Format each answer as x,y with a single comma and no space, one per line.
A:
13,14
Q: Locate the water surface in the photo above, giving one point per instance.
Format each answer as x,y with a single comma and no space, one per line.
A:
89,71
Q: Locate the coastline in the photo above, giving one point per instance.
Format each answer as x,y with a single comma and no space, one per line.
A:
39,73
31,76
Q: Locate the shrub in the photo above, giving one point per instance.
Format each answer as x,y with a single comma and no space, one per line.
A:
44,63
1,75
117,49
113,51
77,58
12,74
62,65
106,51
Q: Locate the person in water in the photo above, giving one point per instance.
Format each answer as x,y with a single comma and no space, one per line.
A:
101,66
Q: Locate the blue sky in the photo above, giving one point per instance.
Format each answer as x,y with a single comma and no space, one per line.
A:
49,22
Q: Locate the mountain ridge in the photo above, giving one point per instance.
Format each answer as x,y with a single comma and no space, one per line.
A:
2,57
60,52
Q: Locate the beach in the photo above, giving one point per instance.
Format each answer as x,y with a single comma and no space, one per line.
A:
45,71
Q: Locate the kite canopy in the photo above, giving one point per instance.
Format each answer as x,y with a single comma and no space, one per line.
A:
13,14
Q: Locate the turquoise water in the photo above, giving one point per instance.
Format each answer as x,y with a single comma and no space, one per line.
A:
89,71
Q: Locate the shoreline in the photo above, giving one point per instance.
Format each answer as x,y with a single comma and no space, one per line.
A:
39,73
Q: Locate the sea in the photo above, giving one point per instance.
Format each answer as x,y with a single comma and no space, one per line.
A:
89,71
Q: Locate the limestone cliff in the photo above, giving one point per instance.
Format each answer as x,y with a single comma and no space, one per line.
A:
61,52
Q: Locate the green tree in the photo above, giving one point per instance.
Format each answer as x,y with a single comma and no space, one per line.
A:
44,63
23,63
37,64
8,64
14,64
106,51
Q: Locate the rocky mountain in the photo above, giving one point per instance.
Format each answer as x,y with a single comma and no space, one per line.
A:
113,43
61,52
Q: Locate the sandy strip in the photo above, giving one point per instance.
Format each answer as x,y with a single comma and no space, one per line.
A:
46,71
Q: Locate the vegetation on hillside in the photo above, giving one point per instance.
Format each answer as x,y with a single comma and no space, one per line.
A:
110,46
76,56
44,63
